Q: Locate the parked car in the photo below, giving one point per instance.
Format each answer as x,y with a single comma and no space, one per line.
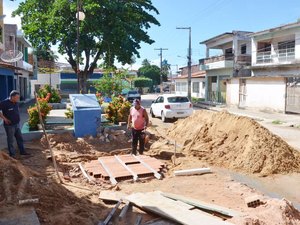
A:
166,89
171,106
133,94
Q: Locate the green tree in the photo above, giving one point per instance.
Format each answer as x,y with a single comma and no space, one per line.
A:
112,83
141,82
112,30
153,72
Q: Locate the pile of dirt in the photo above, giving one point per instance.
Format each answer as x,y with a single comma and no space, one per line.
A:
66,142
57,205
234,142
274,211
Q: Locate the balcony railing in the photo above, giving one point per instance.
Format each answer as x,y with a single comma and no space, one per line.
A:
264,57
286,55
282,55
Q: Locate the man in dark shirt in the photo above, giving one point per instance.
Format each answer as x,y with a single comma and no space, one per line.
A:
11,118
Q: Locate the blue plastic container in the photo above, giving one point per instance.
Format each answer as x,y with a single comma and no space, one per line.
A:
87,114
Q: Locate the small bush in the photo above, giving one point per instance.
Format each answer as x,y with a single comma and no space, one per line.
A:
69,114
118,110
45,108
54,94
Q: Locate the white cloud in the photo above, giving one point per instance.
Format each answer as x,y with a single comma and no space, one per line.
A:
8,8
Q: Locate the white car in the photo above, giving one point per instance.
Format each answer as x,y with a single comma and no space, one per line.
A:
170,106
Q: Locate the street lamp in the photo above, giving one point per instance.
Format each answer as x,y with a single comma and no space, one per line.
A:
189,59
80,16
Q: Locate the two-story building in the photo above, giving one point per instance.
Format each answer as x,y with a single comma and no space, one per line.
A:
15,75
274,84
235,49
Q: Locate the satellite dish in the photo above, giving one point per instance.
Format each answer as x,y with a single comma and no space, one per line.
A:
11,56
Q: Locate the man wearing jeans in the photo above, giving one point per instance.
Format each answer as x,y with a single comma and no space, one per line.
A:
138,121
11,118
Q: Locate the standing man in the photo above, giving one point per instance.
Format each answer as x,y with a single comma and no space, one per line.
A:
11,118
138,120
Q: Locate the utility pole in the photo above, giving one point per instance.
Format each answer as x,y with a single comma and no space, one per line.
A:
189,60
160,54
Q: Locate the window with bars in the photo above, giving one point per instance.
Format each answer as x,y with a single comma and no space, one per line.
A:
195,87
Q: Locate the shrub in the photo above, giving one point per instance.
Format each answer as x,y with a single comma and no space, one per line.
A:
118,110
69,113
45,108
54,94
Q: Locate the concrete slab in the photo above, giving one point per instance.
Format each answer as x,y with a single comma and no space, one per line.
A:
20,216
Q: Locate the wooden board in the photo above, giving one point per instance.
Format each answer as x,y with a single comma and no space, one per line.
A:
168,208
111,195
203,205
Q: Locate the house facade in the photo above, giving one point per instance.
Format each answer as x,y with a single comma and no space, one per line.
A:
15,75
235,49
197,82
274,84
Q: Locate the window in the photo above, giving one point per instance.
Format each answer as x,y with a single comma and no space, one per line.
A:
214,79
244,49
181,86
195,87
203,85
178,99
286,45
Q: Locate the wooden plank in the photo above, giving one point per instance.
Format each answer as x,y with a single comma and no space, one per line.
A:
111,177
192,171
124,210
106,195
110,215
84,173
135,176
168,208
156,174
138,220
203,205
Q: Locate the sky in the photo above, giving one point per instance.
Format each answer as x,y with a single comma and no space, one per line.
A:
206,18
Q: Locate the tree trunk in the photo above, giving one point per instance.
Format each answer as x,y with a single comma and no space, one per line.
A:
83,82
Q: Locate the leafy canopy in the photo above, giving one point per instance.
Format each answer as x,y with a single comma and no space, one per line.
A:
112,29
151,71
141,82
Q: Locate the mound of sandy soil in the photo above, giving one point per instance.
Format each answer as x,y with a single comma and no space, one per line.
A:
66,142
234,142
57,205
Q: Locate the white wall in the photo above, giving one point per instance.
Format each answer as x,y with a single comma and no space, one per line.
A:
266,93
232,92
43,79
200,94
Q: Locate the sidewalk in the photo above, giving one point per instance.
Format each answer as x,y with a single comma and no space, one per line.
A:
284,119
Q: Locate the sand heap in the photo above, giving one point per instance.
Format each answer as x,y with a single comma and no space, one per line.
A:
57,205
66,142
235,142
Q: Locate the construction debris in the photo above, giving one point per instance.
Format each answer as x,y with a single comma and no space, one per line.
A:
124,210
192,172
110,215
29,201
211,208
112,196
124,167
253,201
156,203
